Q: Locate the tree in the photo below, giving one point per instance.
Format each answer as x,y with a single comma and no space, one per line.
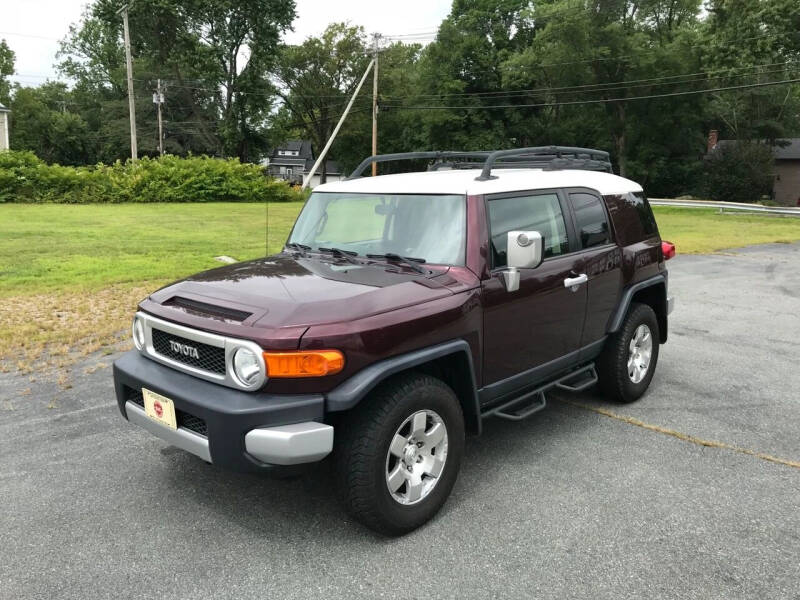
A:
759,37
587,52
6,69
398,130
45,123
315,80
213,55
463,67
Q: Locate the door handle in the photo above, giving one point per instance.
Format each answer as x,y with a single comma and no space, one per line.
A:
573,282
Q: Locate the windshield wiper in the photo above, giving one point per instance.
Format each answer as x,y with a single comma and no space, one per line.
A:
409,261
295,246
346,254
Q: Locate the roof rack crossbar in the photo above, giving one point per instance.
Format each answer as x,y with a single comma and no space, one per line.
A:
542,157
546,164
435,155
552,153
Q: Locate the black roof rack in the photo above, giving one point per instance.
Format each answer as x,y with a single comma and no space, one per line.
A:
540,157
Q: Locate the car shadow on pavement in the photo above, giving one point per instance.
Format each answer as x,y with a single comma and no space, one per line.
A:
308,505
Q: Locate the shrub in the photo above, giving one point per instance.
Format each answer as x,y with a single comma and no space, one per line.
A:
740,172
26,178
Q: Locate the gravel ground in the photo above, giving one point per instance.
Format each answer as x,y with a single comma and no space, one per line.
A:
568,504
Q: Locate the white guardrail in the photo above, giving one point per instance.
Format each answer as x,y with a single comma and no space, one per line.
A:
732,206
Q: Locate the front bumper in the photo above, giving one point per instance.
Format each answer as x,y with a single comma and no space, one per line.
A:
244,431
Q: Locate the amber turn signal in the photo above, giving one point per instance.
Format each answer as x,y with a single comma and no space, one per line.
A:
303,363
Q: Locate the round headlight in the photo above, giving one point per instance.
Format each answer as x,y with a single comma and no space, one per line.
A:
246,366
138,333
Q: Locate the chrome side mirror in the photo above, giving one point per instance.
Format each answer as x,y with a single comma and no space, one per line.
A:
525,250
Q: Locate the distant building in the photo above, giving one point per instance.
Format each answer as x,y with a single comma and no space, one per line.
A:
293,161
786,188
4,127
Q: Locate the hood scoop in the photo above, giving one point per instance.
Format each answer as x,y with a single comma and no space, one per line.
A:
203,309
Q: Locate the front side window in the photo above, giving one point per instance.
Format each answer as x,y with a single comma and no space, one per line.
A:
541,212
432,227
590,220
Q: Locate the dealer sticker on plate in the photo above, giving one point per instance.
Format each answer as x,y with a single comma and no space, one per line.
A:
159,408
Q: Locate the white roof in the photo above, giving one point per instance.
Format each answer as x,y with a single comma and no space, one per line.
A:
462,181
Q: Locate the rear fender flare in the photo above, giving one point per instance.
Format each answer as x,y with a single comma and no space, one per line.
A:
627,296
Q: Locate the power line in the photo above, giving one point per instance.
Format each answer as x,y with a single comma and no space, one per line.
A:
29,35
611,86
625,58
598,100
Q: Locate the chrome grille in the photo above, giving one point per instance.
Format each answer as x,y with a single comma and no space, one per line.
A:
210,358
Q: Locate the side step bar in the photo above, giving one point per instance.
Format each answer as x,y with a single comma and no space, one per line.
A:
524,406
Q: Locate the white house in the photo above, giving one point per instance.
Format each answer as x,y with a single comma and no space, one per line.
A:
4,127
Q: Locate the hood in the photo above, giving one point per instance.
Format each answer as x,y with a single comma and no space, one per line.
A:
290,292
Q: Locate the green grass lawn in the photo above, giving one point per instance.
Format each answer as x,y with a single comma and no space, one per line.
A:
48,247
51,247
71,275
701,231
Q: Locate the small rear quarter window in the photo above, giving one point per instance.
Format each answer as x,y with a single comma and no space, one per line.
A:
644,212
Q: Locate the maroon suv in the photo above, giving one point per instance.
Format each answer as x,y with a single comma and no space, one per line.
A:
403,310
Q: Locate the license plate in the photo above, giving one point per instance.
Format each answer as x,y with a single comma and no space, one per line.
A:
159,408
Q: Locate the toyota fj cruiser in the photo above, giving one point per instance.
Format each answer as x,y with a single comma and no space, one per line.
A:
403,310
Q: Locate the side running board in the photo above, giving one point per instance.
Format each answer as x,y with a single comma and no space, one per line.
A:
531,402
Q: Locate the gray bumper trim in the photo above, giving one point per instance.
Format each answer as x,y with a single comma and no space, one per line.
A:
670,304
182,438
290,444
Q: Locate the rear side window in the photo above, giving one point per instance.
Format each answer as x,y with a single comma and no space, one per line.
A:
591,222
644,212
541,212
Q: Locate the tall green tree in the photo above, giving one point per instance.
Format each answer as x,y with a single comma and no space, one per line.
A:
587,52
464,67
213,55
44,121
398,130
315,79
762,38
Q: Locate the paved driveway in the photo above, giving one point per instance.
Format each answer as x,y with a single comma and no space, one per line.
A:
569,504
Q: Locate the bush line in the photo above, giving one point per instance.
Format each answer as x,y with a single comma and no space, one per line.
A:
25,178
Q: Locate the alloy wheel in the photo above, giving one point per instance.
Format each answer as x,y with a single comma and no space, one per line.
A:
416,457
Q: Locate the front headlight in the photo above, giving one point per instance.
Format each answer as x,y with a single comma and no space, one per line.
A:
138,333
246,366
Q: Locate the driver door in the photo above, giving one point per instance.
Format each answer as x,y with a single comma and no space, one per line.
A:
525,331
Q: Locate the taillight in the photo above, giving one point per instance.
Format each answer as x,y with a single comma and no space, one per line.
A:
668,250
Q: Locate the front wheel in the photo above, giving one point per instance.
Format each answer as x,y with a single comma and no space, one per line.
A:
399,453
630,355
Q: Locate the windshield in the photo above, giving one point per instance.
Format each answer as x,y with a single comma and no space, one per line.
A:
430,227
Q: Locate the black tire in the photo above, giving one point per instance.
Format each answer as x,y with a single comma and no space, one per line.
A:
612,366
362,448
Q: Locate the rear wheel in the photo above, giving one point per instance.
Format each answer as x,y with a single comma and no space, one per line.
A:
399,454
629,359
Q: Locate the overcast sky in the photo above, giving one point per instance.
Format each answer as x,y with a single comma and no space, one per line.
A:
32,28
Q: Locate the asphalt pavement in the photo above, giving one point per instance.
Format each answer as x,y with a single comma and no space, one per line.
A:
568,504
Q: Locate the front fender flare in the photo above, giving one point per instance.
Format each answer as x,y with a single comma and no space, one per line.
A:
349,393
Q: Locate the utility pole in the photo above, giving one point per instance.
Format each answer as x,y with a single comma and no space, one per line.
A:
158,98
376,37
338,126
129,64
